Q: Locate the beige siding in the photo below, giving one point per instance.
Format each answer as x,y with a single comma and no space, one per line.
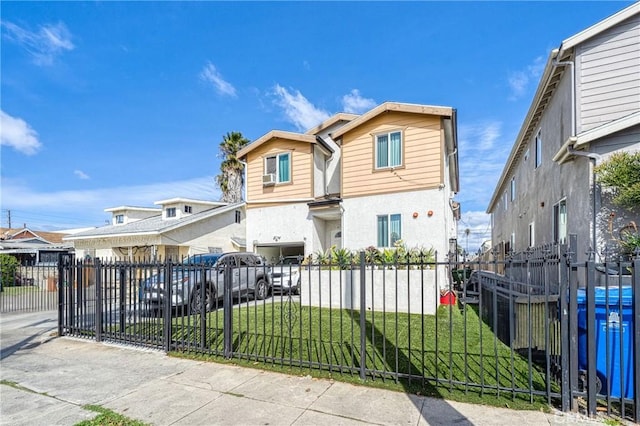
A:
608,77
421,157
301,185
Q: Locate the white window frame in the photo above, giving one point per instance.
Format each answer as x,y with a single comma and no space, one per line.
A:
390,243
538,143
513,189
171,212
389,165
277,171
557,225
119,219
532,234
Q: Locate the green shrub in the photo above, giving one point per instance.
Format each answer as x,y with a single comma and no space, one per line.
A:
8,266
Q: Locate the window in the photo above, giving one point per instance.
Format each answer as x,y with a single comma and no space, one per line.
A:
389,230
538,148
505,200
238,216
560,222
389,150
532,238
119,218
512,242
171,212
188,209
513,189
279,166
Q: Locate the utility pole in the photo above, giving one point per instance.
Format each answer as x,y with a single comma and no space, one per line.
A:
9,218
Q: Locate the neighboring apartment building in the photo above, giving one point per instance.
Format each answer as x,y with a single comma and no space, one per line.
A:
355,181
586,107
180,227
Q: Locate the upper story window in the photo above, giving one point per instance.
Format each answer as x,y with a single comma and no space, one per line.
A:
513,189
505,200
171,212
188,209
388,150
119,218
538,148
389,229
277,168
238,216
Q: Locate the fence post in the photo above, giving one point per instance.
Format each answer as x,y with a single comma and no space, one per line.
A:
121,299
228,312
591,337
573,319
564,329
98,313
636,336
60,296
363,312
166,308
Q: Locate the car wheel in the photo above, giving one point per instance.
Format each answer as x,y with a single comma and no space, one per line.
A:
197,300
262,290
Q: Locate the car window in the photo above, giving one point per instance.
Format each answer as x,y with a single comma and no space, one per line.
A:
245,260
227,261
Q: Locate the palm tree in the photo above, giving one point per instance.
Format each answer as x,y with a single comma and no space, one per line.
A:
231,178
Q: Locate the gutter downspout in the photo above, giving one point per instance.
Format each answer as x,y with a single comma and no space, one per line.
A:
594,158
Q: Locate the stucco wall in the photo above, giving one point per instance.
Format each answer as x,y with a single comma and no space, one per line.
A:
279,224
360,219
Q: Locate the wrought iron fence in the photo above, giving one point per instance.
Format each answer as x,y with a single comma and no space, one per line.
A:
29,288
540,333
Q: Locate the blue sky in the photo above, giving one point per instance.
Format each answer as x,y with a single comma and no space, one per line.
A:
124,103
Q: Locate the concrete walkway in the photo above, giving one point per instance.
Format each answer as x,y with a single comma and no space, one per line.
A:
47,380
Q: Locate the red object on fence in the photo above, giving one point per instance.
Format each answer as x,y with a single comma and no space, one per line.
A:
448,298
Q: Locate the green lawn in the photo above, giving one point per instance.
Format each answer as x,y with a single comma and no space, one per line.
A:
298,339
13,291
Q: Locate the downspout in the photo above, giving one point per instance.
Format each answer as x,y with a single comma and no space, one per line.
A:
594,158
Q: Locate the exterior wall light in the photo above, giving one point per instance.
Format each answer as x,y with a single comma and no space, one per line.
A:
430,213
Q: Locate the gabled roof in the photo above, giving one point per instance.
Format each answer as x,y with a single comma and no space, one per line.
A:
392,106
546,88
276,134
341,116
14,234
151,226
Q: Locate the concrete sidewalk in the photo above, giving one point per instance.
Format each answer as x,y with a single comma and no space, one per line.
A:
47,381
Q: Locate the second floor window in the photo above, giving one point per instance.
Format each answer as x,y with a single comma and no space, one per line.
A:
538,149
389,229
171,212
188,209
280,166
513,189
388,150
119,218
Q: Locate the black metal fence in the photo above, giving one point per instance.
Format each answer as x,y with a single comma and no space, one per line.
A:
534,330
28,288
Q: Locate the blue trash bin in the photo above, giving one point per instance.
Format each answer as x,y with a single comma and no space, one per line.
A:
618,327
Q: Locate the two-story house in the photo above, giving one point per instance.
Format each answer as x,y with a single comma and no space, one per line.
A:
586,107
355,181
180,227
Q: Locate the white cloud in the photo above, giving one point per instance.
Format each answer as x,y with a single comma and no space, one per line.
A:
355,103
74,208
298,110
479,225
211,75
81,175
44,44
519,81
482,152
16,133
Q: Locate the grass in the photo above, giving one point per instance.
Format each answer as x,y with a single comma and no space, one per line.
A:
107,417
14,291
457,348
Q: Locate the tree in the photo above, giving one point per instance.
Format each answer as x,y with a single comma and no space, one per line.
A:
621,173
231,177
8,266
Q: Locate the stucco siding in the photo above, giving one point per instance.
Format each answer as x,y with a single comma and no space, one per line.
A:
608,79
279,224
421,156
301,185
360,219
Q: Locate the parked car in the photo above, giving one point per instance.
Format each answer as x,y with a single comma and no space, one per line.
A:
205,258
285,275
196,284
19,280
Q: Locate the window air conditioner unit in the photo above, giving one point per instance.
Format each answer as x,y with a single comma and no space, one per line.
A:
269,179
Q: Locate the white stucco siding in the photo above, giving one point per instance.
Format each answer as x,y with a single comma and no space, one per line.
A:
279,224
215,232
359,224
608,81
